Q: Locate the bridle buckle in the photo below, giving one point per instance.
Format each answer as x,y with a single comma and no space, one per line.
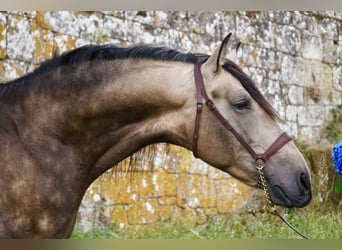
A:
260,163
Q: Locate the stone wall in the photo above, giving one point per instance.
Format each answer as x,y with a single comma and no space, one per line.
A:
295,58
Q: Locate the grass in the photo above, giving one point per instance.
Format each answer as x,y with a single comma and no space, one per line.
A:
332,129
314,224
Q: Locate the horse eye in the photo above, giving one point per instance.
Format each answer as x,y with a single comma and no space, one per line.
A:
242,105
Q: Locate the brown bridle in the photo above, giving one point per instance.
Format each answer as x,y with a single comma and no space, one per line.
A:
202,94
260,158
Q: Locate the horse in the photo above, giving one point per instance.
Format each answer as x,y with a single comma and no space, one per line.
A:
80,113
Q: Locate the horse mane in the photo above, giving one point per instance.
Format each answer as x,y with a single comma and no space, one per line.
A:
112,52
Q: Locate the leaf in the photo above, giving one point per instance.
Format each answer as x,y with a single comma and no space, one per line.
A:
338,184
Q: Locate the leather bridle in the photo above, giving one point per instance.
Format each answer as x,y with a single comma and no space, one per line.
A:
202,94
260,158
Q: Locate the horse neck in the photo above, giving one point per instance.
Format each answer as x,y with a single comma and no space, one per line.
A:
107,111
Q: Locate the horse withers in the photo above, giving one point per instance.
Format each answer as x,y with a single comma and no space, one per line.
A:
77,115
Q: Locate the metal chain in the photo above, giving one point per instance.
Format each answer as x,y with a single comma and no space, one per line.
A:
260,165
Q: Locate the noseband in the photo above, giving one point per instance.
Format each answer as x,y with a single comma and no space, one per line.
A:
259,158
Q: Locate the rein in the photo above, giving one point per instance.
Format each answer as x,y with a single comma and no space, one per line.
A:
260,159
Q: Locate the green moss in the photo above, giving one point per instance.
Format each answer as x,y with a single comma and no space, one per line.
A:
196,31
40,20
333,129
253,14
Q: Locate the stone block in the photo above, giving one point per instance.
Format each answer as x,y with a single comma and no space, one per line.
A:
231,195
202,217
3,38
114,27
299,20
332,51
258,75
20,40
144,184
195,191
198,167
337,78
245,29
211,211
2,72
264,33
273,87
311,116
274,74
167,200
165,213
312,47
291,128
287,39
328,28
309,134
43,43
336,98
306,73
322,80
269,59
280,17
118,216
13,69
64,43
120,191
75,23
247,56
143,212
164,184
177,160
184,216
278,103
215,173
291,113
296,70
296,95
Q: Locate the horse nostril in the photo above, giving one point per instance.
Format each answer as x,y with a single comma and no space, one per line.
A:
304,182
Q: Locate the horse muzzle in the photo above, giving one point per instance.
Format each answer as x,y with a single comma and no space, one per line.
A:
292,194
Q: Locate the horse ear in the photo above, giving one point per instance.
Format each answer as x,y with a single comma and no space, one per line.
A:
213,65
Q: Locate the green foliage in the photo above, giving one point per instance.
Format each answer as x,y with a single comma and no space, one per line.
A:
338,184
333,130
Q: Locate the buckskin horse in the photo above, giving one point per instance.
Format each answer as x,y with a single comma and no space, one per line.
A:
80,113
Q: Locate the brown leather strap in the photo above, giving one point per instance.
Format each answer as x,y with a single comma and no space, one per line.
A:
275,146
202,94
199,89
196,130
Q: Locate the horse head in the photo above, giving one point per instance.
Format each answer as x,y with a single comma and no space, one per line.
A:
239,127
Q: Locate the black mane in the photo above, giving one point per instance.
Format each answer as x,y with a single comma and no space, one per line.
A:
111,52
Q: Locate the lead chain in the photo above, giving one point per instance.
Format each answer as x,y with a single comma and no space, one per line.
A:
260,165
